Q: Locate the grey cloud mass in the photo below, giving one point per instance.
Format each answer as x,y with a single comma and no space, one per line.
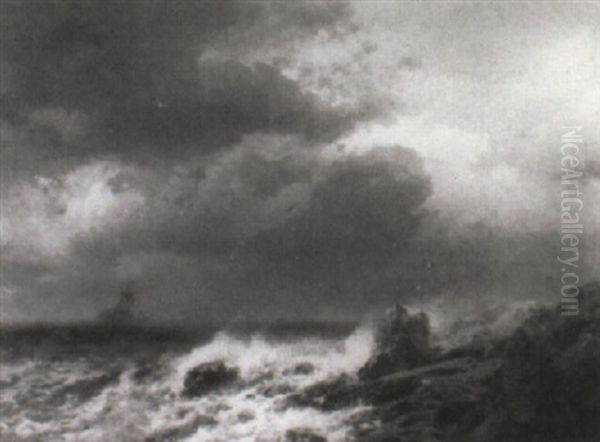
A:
280,160
127,78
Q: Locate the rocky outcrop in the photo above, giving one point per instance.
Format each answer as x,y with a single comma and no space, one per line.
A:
208,377
548,388
540,384
402,342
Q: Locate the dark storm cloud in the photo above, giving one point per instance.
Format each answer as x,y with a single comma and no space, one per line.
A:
283,204
248,233
289,229
127,76
176,145
266,229
344,251
364,206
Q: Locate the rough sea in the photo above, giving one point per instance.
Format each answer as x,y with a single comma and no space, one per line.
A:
100,384
116,384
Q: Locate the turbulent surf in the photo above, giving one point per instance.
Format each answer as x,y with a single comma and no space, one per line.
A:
410,375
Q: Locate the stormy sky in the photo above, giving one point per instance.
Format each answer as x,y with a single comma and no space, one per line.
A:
288,160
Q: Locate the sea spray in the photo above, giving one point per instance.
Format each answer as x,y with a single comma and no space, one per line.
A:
118,388
258,355
109,391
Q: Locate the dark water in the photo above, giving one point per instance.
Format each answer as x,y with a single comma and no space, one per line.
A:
91,383
87,383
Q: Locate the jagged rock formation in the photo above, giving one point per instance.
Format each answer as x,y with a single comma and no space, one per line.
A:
402,342
540,384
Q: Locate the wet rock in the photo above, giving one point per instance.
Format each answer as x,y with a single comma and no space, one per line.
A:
303,368
208,377
410,434
329,395
549,386
245,416
402,342
275,390
346,391
429,403
303,435
541,383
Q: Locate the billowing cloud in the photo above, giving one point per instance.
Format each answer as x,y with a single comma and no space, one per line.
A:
245,160
127,78
268,220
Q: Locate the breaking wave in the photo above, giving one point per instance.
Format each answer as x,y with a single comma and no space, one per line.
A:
57,388
131,396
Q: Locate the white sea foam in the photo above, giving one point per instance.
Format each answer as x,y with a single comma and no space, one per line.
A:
258,355
100,398
265,418
127,408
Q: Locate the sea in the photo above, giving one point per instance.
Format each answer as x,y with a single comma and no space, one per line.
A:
95,383
92,383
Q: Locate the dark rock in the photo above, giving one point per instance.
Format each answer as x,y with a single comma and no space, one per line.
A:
329,395
541,383
208,377
303,368
303,435
549,386
402,342
452,411
391,389
275,390
345,391
245,416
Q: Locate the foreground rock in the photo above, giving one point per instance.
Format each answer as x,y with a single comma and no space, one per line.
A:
409,405
402,342
540,384
208,377
548,388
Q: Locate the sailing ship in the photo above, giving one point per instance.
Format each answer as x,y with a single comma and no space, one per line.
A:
122,313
